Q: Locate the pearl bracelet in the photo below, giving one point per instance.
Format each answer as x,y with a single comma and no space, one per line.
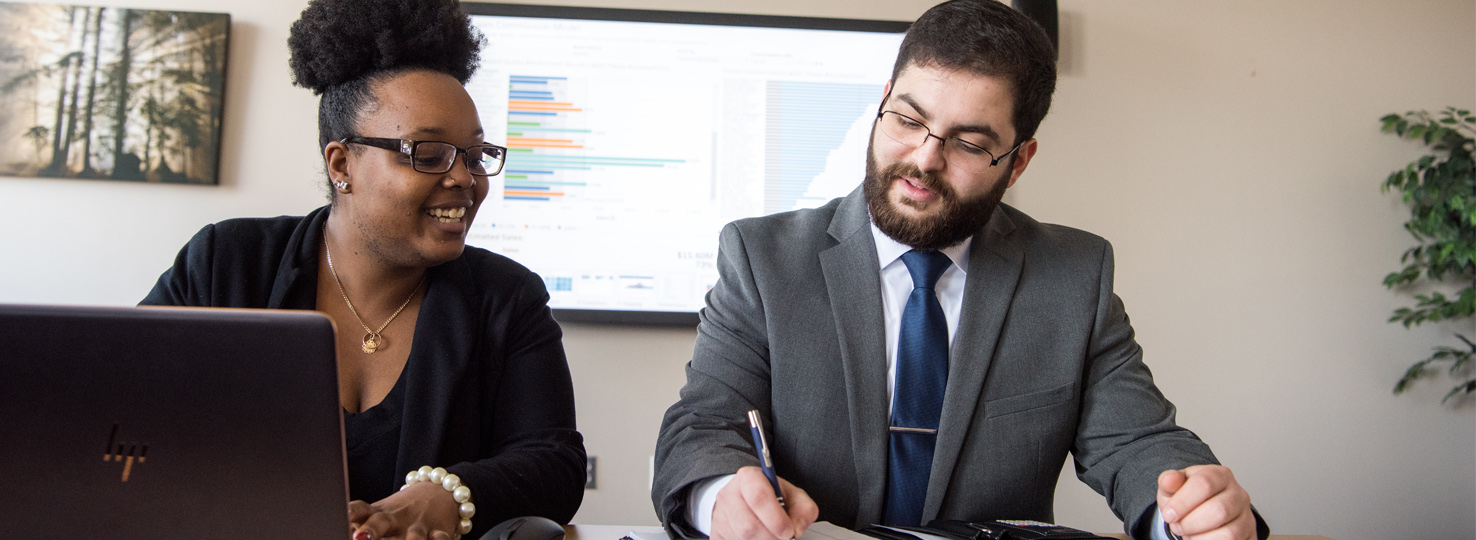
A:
451,483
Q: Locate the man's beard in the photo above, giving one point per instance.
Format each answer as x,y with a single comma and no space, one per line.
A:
953,222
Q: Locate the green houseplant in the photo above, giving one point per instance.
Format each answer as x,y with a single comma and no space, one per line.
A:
1440,189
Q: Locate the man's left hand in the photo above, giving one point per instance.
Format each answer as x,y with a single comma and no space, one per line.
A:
1204,502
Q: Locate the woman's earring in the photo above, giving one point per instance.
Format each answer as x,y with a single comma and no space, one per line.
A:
342,186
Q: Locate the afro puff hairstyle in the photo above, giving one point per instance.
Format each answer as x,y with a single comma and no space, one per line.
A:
339,48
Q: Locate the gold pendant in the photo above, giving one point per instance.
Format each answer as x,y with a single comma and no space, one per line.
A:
372,343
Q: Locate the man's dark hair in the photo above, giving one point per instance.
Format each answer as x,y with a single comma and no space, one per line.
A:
340,48
988,38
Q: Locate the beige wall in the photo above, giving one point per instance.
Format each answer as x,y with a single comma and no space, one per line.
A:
1229,149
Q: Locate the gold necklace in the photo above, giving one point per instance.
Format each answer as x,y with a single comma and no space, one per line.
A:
373,341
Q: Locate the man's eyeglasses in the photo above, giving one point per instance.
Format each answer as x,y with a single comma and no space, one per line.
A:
911,132
436,157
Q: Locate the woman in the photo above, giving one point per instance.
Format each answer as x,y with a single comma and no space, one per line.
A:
448,356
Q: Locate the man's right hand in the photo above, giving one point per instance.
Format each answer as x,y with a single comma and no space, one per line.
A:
746,509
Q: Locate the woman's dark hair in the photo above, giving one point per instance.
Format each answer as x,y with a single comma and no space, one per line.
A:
988,38
340,48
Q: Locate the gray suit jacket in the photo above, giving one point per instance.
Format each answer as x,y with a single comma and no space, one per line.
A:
1043,363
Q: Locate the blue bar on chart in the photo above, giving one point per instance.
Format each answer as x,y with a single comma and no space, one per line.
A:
807,121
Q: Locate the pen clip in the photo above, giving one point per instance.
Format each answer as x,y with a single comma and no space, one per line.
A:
760,442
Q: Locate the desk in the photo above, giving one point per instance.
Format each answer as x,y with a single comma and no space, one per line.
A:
614,532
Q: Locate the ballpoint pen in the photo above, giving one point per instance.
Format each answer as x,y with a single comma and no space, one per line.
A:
761,447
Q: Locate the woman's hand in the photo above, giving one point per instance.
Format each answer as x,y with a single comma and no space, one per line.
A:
423,511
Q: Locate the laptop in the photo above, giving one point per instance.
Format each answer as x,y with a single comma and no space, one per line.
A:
165,423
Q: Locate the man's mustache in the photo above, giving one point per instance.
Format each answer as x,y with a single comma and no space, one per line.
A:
924,179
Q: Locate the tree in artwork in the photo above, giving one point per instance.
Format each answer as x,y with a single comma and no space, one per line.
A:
111,93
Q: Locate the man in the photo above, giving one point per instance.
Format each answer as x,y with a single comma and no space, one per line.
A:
920,351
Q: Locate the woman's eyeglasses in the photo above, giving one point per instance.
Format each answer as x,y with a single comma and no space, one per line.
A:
436,157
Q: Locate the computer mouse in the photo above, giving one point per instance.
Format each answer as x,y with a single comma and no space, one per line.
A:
526,528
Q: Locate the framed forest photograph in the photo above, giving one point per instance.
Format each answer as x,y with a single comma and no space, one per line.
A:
111,93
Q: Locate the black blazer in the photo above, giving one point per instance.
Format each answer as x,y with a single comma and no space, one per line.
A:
487,388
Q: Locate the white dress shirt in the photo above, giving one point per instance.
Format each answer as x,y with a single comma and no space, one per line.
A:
897,286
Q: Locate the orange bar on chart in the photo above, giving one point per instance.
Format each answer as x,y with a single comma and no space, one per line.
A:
511,193
516,102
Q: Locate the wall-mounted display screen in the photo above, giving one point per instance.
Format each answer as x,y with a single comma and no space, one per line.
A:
634,136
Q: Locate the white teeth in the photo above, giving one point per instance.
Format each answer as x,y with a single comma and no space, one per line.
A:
447,215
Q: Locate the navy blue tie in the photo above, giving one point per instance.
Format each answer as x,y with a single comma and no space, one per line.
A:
917,402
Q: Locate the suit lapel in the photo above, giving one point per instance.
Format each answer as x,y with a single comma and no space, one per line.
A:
995,263
853,282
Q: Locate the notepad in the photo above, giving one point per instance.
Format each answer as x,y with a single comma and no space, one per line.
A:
821,530
825,530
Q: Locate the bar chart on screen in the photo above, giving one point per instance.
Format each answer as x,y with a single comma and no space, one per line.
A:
630,144
596,162
546,135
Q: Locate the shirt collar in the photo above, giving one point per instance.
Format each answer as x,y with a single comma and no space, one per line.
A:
889,250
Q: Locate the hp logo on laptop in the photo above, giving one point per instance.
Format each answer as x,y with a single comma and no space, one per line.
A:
126,452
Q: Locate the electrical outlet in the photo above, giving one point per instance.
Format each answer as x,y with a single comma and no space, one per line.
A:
589,473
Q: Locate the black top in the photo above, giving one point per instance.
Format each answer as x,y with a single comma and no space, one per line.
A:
487,389
372,440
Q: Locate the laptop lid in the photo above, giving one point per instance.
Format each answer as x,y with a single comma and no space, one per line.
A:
150,423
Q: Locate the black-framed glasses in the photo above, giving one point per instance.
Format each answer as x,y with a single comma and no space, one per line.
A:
913,133
436,157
